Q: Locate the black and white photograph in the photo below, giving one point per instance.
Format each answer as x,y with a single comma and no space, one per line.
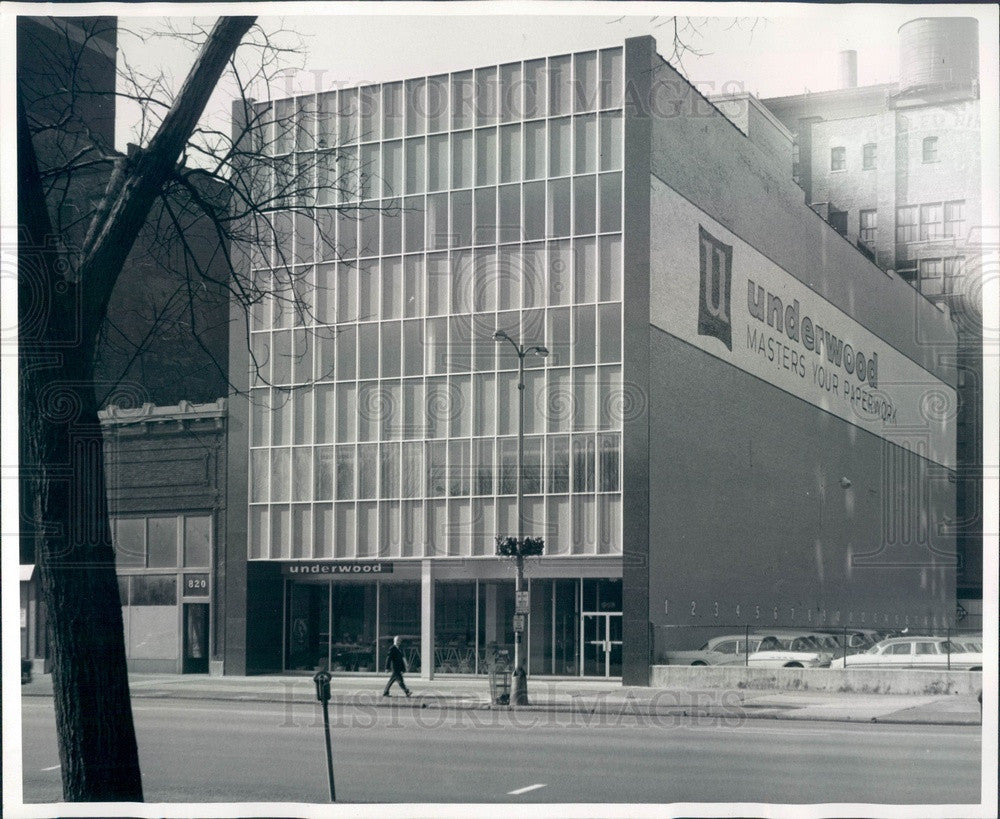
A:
500,408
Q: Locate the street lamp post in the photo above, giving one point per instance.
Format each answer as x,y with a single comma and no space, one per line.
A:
519,694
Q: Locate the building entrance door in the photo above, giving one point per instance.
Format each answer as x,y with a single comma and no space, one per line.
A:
195,638
602,645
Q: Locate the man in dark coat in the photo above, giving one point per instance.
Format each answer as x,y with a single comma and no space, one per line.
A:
394,662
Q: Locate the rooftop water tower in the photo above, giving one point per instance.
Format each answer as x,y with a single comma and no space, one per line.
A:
935,51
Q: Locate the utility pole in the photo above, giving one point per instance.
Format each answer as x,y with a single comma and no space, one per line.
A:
519,692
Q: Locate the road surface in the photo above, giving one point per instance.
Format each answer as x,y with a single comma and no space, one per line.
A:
211,751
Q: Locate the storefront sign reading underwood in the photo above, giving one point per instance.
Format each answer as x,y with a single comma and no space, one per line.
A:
716,292
307,568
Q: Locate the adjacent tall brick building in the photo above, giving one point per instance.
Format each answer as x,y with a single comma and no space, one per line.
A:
895,168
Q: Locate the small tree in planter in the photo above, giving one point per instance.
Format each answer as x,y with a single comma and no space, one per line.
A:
528,547
519,549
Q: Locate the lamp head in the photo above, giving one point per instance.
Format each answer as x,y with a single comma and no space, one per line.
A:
541,352
500,335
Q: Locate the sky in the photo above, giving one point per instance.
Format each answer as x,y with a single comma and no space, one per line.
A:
770,49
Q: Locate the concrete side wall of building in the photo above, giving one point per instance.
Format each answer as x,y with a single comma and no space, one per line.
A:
750,524
639,57
252,591
747,516
761,127
235,590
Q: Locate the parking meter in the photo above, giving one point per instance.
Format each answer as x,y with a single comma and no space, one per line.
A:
322,680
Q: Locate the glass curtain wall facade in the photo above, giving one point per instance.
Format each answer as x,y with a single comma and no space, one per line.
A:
383,413
350,626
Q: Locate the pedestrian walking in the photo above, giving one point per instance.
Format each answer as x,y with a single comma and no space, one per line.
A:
395,662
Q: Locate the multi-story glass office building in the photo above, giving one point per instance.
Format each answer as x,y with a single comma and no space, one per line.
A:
447,207
374,462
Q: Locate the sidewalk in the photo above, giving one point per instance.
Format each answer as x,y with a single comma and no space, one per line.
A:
580,696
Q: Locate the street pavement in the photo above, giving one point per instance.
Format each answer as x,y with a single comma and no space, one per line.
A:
196,749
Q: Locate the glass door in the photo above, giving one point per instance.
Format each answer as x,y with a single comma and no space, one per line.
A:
195,638
614,652
594,640
602,645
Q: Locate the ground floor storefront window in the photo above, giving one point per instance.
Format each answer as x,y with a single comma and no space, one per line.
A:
575,625
163,563
555,627
399,616
455,627
349,627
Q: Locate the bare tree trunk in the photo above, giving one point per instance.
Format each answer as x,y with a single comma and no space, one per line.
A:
60,431
62,480
61,447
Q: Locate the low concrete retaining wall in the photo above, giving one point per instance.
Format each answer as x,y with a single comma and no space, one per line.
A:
860,680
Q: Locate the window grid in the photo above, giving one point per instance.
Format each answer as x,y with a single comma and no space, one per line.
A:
308,419
929,149
954,218
931,276
935,277
136,557
930,221
868,221
907,223
869,156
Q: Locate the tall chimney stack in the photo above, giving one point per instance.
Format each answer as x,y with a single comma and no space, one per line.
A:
848,69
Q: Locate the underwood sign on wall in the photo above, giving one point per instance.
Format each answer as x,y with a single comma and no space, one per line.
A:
713,290
313,568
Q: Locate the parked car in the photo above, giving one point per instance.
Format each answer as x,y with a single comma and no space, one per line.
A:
969,643
914,652
858,639
726,650
791,651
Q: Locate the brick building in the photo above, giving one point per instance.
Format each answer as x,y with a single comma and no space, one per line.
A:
895,168
166,469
